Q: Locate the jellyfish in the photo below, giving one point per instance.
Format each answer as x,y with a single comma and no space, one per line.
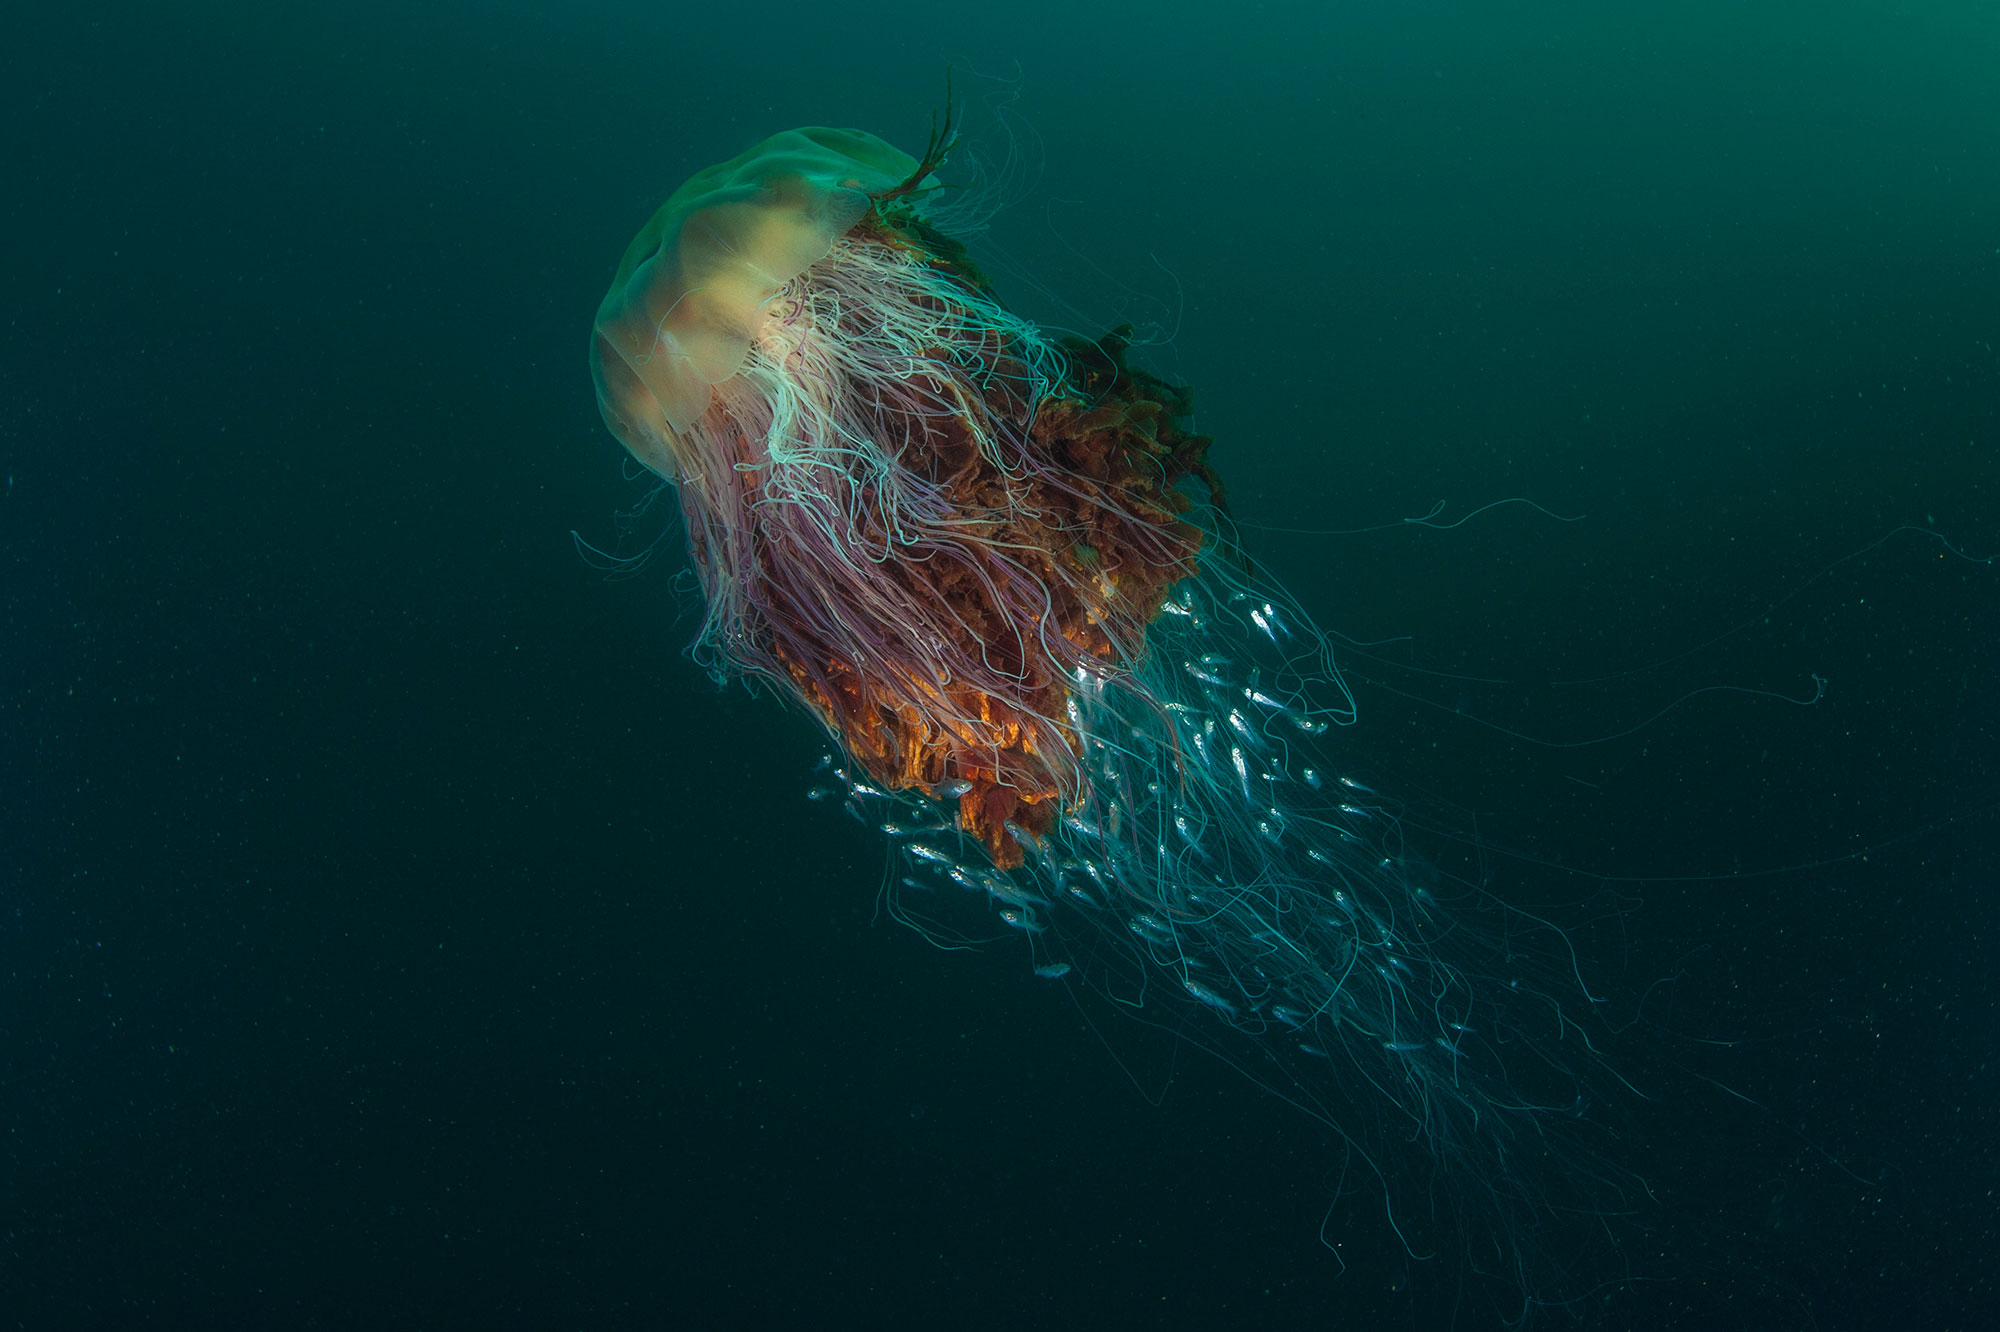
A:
995,563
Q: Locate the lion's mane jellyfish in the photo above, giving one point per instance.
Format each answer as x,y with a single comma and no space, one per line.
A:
994,563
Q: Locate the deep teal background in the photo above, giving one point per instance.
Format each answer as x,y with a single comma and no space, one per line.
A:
396,931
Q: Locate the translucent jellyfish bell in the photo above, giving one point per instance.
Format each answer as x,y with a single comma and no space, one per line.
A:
694,288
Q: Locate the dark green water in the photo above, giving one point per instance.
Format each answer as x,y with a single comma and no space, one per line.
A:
395,930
